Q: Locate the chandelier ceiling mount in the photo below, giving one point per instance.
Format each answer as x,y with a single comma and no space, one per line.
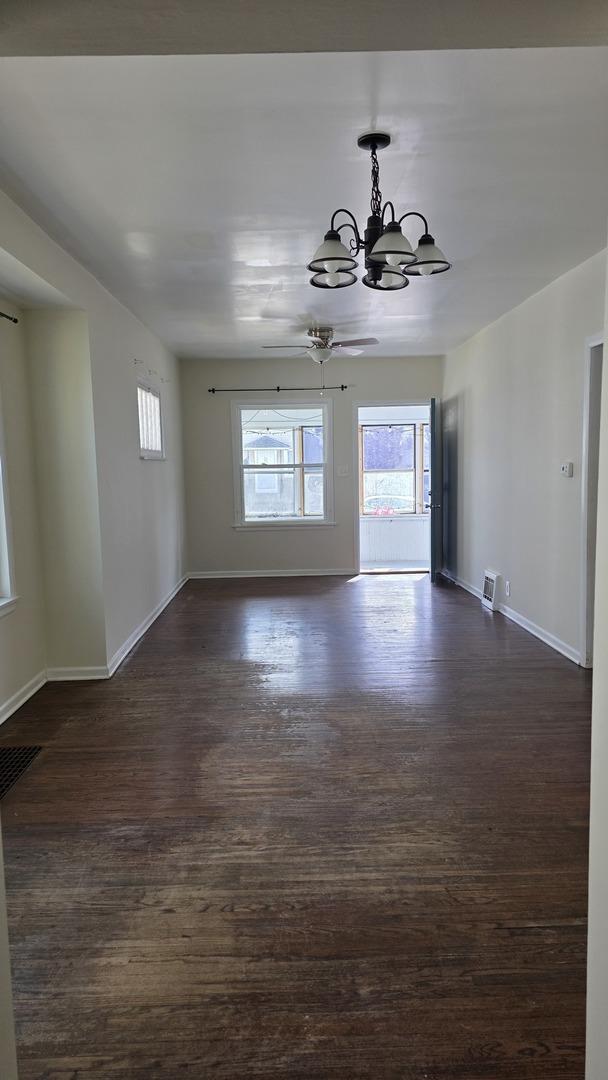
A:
390,260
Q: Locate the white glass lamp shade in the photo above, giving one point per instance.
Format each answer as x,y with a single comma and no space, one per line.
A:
389,280
331,255
429,259
320,356
393,247
335,279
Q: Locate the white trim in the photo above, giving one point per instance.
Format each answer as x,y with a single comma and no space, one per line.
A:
526,624
196,574
326,406
75,674
384,404
247,526
585,630
7,604
140,630
21,696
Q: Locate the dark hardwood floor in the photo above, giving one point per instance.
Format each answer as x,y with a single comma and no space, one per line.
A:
313,828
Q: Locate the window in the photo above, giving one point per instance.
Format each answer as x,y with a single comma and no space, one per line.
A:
282,456
150,424
394,469
7,600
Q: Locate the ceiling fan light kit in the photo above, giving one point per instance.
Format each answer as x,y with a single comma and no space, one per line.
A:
322,346
389,256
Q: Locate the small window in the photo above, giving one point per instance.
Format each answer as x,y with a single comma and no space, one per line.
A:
282,465
6,584
150,423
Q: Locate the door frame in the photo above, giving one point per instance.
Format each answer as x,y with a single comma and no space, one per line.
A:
585,625
376,403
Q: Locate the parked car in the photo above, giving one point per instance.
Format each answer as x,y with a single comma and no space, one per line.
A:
387,504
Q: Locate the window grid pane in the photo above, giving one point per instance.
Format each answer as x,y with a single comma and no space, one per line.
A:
282,463
388,446
150,430
389,493
394,468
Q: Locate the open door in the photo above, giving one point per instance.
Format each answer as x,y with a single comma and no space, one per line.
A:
436,492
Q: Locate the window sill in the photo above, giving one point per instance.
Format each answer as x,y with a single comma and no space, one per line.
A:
394,517
151,457
248,526
7,604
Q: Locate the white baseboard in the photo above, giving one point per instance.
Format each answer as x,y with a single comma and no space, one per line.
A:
140,630
74,674
526,624
77,674
20,697
195,574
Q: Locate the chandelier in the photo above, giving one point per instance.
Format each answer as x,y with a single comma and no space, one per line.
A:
389,257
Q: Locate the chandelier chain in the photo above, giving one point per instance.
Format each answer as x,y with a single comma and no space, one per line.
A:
376,200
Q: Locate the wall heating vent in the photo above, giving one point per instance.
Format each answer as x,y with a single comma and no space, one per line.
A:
489,593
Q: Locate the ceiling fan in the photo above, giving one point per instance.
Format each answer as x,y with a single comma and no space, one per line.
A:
322,345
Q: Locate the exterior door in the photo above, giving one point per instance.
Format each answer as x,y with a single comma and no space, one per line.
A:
436,492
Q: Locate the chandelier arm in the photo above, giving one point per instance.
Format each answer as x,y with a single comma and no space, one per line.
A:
415,213
356,242
352,217
352,224
385,208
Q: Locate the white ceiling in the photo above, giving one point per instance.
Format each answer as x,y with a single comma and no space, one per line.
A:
197,188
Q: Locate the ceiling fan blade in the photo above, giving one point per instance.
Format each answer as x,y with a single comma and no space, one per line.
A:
283,346
357,341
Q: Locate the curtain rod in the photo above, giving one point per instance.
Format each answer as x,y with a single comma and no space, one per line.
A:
271,389
11,318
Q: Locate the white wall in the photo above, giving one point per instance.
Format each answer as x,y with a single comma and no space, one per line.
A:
517,388
213,543
22,645
597,975
59,366
391,539
140,502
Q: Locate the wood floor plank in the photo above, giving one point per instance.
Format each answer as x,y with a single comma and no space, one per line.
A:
316,829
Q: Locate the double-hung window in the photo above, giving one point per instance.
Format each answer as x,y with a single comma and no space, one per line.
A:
282,464
150,422
394,469
7,599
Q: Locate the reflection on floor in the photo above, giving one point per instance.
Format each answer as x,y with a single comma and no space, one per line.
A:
312,829
396,566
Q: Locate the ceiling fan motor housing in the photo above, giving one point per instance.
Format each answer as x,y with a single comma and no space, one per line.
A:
322,334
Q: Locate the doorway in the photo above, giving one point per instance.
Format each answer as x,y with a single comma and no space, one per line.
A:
394,469
589,488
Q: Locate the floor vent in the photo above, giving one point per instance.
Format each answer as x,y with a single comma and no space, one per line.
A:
14,760
489,593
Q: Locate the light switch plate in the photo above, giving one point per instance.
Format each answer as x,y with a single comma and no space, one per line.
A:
342,470
567,468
